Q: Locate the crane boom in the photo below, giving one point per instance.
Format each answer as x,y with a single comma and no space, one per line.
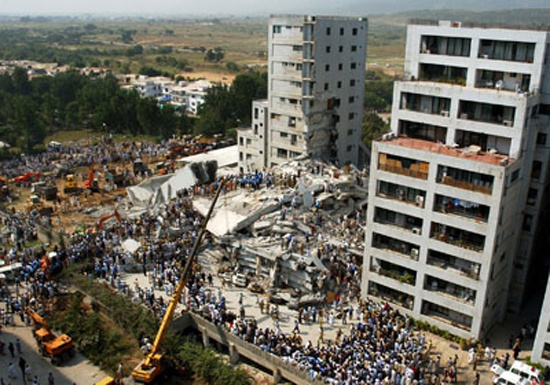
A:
151,358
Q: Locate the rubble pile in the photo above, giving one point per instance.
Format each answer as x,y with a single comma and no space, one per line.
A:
304,231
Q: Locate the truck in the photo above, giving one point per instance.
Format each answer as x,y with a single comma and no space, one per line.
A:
57,348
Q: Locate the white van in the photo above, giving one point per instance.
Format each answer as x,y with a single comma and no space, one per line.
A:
527,372
509,378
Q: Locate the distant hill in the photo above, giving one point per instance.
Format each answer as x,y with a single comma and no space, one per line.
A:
530,17
374,7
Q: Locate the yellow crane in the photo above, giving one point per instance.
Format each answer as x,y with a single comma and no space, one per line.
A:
152,366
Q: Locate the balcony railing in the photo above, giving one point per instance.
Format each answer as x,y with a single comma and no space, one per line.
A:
402,277
402,198
416,229
411,253
453,292
403,171
458,242
392,296
446,265
466,185
460,211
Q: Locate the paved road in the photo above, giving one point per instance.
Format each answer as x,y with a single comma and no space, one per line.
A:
78,370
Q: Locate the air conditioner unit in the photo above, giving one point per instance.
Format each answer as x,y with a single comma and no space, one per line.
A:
416,230
420,201
414,253
508,123
463,116
445,113
485,56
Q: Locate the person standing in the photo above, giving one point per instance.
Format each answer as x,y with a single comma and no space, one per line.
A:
22,365
11,348
18,346
51,379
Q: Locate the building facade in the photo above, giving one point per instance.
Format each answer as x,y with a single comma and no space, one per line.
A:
456,186
315,93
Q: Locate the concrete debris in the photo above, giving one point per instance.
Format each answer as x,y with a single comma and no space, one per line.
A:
286,234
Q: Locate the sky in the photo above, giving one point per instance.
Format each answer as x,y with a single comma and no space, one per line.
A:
242,7
173,7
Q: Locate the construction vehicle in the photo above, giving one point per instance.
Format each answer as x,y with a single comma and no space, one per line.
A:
115,214
92,183
139,167
47,191
27,177
70,185
106,381
34,203
114,178
153,365
57,348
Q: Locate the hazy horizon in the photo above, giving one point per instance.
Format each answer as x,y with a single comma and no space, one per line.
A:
247,7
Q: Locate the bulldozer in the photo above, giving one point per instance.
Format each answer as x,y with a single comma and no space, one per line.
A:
153,366
35,203
70,185
92,183
57,348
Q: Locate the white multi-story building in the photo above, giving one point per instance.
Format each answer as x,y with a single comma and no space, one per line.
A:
456,186
315,93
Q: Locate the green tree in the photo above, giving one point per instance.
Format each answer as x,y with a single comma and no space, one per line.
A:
25,121
373,128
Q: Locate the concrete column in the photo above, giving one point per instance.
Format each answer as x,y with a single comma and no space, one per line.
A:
233,354
258,265
205,338
277,376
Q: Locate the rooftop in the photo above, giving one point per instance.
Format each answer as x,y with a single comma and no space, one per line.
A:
459,24
439,148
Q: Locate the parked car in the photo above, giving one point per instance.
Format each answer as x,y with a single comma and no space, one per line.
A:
239,280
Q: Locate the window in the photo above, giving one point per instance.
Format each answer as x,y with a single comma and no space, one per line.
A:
350,132
240,156
248,156
282,153
354,31
284,135
326,86
276,29
341,31
241,141
248,141
353,66
297,48
536,170
348,148
328,31
351,99
255,129
299,67
341,48
527,222
532,196
352,83
327,67
541,139
339,84
515,176
351,116
328,48
340,67
292,121
353,48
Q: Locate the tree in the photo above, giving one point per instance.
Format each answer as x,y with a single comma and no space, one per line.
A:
373,128
25,121
216,55
20,81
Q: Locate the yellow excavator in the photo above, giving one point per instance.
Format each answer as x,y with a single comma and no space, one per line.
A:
153,365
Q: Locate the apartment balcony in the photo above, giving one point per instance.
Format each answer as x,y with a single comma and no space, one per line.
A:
453,264
391,295
398,220
506,51
458,237
451,290
393,271
403,166
487,113
399,193
432,105
503,81
461,208
446,315
443,74
396,246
